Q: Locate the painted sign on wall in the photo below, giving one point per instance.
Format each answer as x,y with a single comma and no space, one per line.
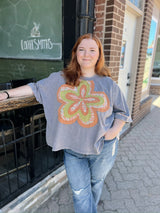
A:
31,29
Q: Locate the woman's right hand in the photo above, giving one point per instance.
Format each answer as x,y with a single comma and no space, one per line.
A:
3,96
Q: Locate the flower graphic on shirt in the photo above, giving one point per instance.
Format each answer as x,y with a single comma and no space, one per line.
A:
81,104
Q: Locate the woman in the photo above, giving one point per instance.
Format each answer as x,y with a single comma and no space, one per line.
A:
85,111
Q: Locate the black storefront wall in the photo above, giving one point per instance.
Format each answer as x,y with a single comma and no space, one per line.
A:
77,19
25,156
30,41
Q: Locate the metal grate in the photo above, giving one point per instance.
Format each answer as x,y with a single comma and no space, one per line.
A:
25,158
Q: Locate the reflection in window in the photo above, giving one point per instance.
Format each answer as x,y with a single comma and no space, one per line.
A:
149,54
137,3
123,49
156,66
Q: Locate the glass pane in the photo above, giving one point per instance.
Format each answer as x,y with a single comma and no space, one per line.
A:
137,3
149,55
156,66
123,49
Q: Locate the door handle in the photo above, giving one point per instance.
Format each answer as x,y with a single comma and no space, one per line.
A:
128,76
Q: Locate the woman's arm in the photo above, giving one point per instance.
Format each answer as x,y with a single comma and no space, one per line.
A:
17,92
115,129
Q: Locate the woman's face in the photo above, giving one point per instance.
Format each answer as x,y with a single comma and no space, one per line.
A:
87,54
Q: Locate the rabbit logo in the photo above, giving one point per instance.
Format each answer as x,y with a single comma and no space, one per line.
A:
35,30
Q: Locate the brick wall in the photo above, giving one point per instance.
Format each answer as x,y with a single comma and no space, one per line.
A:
109,28
155,89
140,109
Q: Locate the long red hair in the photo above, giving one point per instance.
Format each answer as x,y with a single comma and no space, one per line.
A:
72,72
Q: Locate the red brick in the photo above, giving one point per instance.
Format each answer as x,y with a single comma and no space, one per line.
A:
99,28
117,3
100,15
109,9
108,28
100,21
110,2
100,7
109,15
100,1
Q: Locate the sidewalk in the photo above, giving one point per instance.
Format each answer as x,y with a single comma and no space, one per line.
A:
133,185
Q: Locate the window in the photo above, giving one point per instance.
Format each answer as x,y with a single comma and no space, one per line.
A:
123,50
137,3
149,56
156,65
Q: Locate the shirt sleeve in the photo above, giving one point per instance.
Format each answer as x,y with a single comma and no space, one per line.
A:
44,87
120,108
36,88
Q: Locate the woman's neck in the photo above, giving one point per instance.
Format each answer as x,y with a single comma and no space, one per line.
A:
88,72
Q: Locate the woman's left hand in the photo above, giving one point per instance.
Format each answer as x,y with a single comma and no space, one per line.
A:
110,134
115,129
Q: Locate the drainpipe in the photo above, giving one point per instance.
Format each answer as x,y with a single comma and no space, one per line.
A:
85,11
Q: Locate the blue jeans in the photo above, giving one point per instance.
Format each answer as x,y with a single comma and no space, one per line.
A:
86,175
